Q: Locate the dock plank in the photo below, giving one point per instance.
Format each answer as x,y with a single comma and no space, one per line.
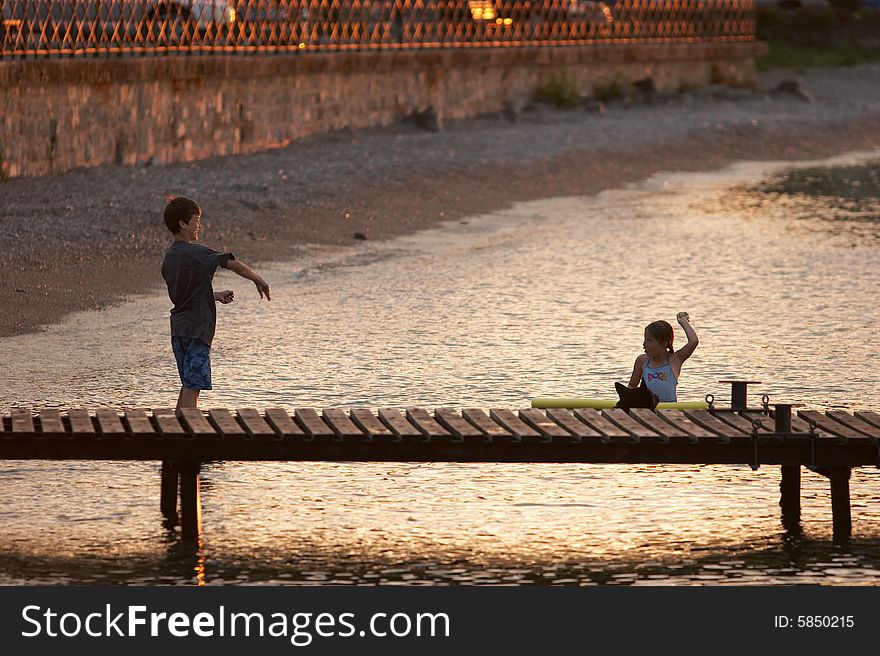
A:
636,430
799,425
80,423
22,421
841,431
516,426
545,425
484,423
399,425
711,422
342,425
457,425
313,425
284,425
869,416
855,423
767,429
768,423
168,424
138,423
595,420
578,429
254,424
667,432
370,424
734,420
681,422
109,422
226,424
194,421
430,427
51,424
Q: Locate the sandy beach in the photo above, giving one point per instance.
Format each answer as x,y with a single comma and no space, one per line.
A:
86,239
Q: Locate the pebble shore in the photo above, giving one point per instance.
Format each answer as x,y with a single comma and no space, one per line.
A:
89,238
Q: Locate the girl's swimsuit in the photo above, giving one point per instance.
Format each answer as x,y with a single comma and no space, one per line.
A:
661,380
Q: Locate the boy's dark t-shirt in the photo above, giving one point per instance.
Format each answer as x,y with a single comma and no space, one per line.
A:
188,270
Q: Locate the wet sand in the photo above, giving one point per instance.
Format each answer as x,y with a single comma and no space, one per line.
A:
89,238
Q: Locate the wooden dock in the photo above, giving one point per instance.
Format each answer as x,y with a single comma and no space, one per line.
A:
831,443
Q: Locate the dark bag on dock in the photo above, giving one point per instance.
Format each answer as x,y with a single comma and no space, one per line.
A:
640,397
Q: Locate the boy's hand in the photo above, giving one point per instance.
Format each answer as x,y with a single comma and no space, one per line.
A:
263,288
225,297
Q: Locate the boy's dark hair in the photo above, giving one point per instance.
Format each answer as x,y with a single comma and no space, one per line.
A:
180,209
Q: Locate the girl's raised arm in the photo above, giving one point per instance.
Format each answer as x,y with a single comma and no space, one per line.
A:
688,349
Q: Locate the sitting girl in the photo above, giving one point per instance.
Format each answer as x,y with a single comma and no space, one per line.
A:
660,366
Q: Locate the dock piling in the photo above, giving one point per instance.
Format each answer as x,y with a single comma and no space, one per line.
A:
790,483
840,505
190,502
168,494
790,495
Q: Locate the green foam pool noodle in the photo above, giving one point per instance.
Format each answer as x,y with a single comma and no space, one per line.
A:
601,404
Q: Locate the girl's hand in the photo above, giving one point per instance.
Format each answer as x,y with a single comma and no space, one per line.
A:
225,297
683,317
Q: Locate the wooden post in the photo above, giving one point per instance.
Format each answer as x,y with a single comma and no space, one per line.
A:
168,495
790,496
190,503
790,483
840,507
738,393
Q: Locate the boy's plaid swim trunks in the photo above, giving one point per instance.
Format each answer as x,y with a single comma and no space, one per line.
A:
193,362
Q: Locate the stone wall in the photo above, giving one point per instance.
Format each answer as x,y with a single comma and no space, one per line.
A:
56,115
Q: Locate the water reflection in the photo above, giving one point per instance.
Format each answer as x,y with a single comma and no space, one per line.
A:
855,187
776,559
547,298
841,202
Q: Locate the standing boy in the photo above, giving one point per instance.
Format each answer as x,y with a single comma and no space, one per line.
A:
188,269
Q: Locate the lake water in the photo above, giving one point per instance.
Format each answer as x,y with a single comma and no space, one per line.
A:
776,265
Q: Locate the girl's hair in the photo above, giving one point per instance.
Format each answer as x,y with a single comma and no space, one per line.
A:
662,331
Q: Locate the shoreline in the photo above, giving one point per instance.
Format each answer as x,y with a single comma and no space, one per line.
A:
90,238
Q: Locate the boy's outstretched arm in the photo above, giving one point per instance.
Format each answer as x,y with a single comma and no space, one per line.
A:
242,269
